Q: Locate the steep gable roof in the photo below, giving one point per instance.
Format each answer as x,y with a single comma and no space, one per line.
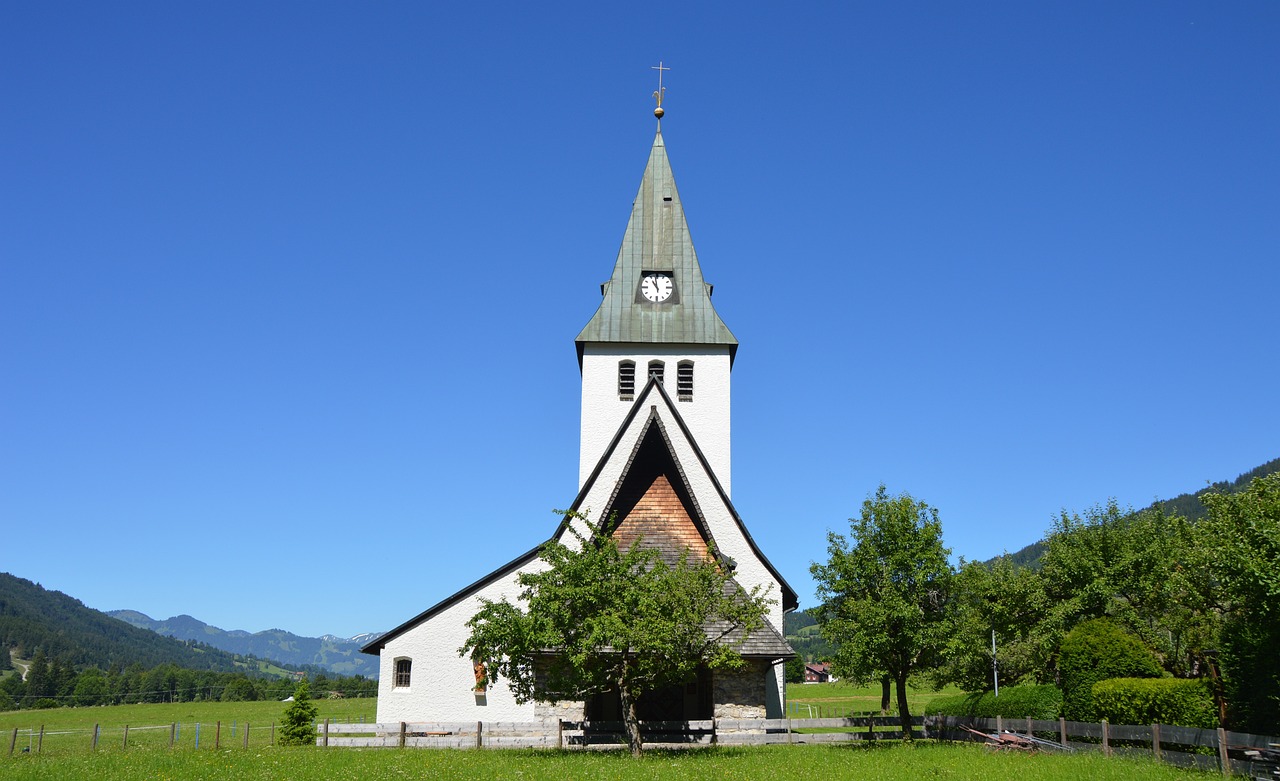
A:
657,239
651,430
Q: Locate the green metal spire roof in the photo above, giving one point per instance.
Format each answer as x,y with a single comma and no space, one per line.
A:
657,239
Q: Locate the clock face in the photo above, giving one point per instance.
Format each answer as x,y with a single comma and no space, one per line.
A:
657,287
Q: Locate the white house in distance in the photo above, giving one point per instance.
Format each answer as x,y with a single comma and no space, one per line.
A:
656,362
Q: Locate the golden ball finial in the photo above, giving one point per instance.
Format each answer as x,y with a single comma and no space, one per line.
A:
658,112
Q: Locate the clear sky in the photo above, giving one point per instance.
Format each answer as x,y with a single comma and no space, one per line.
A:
288,291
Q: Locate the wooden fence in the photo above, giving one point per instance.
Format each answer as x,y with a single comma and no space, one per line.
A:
610,734
1207,749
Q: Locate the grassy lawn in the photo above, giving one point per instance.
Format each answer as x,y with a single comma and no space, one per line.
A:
69,731
840,698
67,752
883,763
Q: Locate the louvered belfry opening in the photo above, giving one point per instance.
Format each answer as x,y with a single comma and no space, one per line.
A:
626,380
684,381
656,369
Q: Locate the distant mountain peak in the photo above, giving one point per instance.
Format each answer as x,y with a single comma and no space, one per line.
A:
330,652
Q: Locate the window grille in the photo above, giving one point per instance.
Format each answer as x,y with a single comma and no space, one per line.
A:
626,380
403,668
684,381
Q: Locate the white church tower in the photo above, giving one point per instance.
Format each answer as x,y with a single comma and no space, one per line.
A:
656,319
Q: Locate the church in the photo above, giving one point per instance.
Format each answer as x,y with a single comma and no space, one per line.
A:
656,361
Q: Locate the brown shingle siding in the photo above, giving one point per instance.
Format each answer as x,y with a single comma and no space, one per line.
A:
661,520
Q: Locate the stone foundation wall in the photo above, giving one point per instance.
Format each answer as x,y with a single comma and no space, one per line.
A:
740,695
560,710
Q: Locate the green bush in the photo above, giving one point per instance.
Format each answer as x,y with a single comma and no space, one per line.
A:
1181,701
1095,651
1014,702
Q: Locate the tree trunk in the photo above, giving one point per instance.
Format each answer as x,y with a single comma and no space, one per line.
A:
629,721
884,694
904,713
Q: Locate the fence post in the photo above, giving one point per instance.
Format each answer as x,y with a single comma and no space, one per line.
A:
1106,738
326,733
246,734
1222,752
125,743
402,731
173,729
479,734
791,738
273,733
197,735
13,741
95,737
999,723
560,733
217,736
1062,728
1155,740
40,743
1028,726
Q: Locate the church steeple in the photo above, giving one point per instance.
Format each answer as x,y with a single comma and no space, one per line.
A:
656,321
656,294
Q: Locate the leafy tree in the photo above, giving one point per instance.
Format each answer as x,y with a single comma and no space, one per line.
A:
91,688
885,593
599,619
795,670
298,726
1009,600
1241,538
1144,571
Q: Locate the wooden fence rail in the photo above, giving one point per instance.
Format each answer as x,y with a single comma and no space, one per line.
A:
1181,746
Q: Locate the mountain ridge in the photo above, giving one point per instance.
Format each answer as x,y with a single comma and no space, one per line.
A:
335,654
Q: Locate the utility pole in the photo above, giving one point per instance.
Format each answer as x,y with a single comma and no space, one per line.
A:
995,673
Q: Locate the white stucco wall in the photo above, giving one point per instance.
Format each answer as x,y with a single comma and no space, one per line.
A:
442,682
707,415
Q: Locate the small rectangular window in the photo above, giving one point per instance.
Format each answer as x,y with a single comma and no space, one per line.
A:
626,380
684,381
403,668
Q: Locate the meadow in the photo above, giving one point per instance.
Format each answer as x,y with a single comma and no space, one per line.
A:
881,762
67,754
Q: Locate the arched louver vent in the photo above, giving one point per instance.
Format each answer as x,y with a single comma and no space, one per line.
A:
684,381
656,369
626,380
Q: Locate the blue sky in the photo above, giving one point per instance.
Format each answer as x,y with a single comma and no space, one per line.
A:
288,291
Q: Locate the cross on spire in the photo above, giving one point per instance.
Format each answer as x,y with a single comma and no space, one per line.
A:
657,112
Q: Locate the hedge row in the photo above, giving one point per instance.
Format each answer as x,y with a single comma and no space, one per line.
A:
1188,703
1016,702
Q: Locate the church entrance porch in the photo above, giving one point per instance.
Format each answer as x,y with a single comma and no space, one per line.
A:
690,701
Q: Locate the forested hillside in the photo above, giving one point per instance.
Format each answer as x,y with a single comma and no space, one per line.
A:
33,618
334,654
1189,506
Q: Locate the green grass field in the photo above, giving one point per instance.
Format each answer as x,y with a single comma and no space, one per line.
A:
840,698
67,752
882,763
69,731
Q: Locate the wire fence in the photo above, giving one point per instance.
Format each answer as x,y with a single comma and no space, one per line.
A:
177,735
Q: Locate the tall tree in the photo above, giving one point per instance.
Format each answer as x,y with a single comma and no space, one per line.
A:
1242,538
1008,601
598,619
884,593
